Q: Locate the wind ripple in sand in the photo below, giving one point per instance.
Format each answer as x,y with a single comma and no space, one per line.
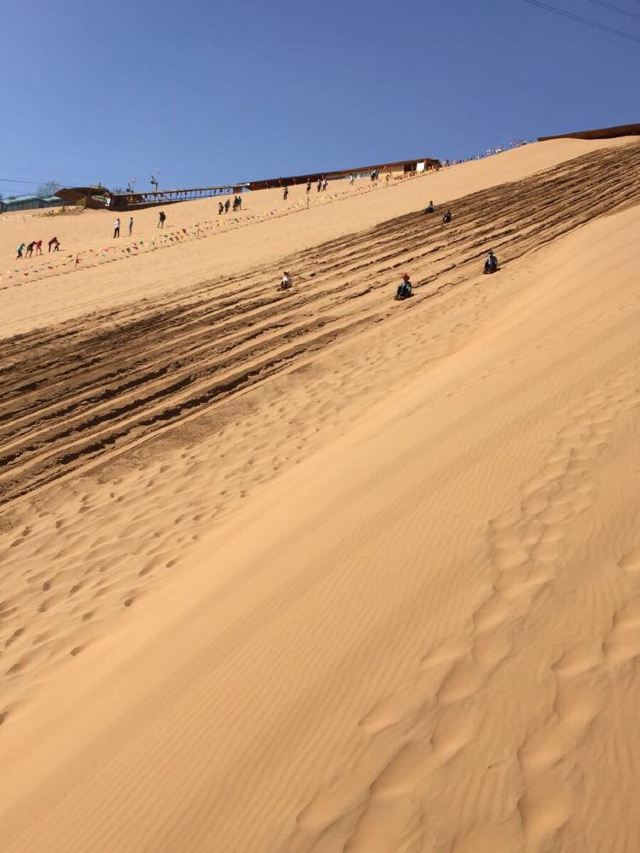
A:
417,731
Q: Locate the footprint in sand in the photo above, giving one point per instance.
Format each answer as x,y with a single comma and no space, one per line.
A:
623,641
630,562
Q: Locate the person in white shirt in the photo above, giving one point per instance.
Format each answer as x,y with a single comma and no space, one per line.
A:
285,281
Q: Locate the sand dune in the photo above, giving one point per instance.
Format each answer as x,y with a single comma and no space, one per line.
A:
323,572
182,259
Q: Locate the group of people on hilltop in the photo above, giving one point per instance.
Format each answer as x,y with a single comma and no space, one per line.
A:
162,218
224,207
27,250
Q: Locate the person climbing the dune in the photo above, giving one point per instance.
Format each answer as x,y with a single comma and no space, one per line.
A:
55,243
405,288
447,217
116,228
162,216
20,250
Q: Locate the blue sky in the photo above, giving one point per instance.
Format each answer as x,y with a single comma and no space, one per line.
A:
208,91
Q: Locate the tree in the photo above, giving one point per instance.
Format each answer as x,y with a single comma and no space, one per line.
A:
45,190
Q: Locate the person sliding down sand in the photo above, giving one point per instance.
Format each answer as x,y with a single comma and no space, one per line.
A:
491,263
405,288
447,217
286,281
430,208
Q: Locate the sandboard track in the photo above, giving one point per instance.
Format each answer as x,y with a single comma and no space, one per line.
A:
73,393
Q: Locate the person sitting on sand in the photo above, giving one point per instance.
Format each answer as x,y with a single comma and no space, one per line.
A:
20,250
430,208
285,281
55,243
447,217
491,263
405,288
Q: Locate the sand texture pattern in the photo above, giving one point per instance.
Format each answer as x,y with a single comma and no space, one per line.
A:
316,571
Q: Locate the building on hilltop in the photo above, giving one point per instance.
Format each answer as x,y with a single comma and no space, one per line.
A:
101,198
29,202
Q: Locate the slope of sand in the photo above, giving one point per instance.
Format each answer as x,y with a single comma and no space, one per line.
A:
45,290
386,599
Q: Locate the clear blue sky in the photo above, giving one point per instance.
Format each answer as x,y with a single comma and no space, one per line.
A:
209,91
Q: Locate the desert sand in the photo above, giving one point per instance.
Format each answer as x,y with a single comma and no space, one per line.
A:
316,570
